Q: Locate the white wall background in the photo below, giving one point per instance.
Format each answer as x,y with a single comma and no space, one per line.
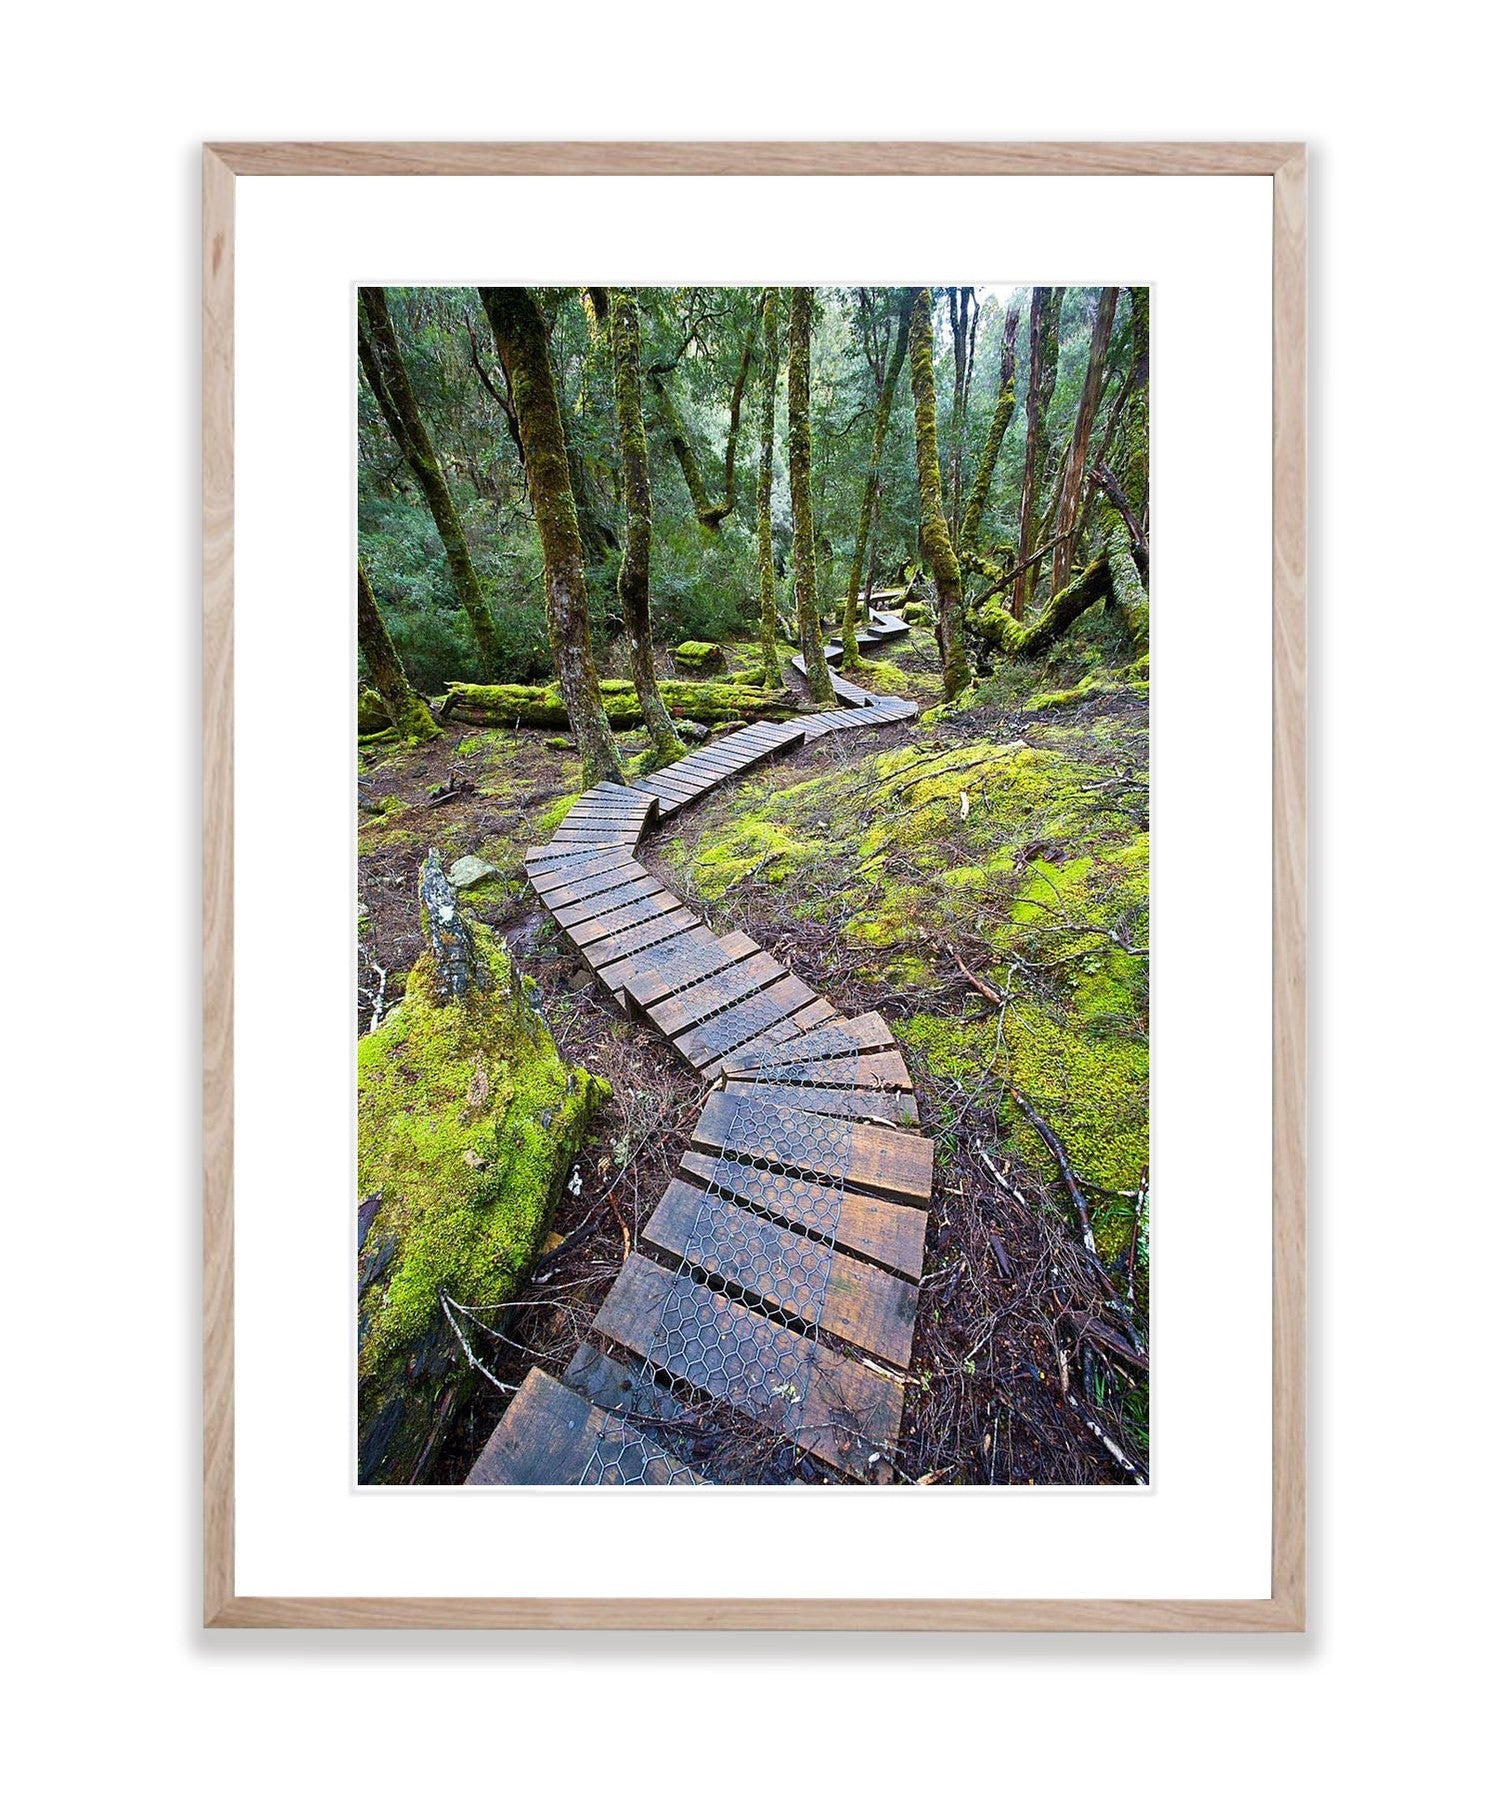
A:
104,112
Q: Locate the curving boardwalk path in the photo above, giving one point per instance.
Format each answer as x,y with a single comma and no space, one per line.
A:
761,1327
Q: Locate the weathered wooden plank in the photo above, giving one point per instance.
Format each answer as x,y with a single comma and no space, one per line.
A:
870,1104
595,836
609,1382
880,1230
711,1040
866,1032
603,949
547,1438
842,1411
588,930
895,1163
545,878
595,904
873,1310
885,1072
656,978
582,884
699,942
746,975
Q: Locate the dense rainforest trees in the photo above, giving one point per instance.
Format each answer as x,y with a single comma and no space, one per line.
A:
764,488
553,482
803,545
410,717
936,544
885,365
385,370
635,563
521,339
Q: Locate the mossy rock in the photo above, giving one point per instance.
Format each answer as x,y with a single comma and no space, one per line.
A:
372,714
917,612
469,1124
699,658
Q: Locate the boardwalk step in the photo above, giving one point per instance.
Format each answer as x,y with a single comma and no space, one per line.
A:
866,1032
548,1436
870,1104
894,1163
879,1230
796,1275
837,1409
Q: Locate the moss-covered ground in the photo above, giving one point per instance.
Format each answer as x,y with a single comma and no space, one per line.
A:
1001,844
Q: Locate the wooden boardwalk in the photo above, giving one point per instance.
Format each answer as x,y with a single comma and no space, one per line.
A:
771,1301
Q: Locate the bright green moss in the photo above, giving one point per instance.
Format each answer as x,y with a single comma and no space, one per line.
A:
1048,869
468,1124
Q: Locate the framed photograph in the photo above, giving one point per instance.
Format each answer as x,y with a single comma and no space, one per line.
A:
754,939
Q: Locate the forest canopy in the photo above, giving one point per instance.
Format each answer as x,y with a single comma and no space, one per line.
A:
990,440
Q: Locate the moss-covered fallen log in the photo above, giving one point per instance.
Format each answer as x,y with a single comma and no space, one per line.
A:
707,702
993,620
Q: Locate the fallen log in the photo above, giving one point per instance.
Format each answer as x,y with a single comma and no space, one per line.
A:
707,702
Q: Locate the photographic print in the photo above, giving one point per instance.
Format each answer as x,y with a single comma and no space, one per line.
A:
753,954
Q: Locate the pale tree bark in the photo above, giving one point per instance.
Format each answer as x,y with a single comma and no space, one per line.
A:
521,339
770,656
635,563
803,550
936,543
1046,312
885,375
1075,463
410,717
385,370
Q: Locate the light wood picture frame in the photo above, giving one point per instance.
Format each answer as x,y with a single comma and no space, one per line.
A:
1285,164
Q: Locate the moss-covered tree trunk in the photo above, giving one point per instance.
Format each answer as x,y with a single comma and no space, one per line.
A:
970,532
936,543
770,657
1046,313
1129,591
1075,463
803,543
635,563
521,339
886,377
410,717
1060,612
385,370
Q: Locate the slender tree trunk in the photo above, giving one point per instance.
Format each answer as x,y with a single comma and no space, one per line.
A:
963,315
770,365
936,543
1137,412
380,357
1075,465
635,563
803,551
709,515
410,717
1046,312
520,337
999,423
885,379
